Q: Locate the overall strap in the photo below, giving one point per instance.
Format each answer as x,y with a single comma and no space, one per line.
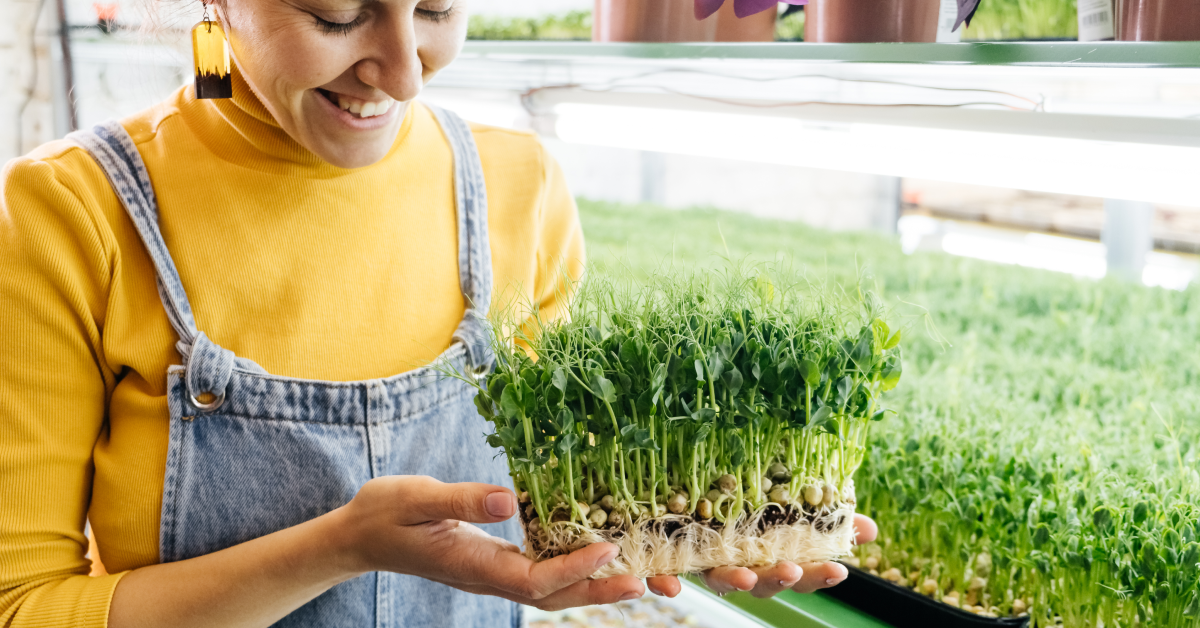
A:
209,366
474,248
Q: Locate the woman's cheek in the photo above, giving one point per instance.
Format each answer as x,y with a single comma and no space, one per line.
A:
440,46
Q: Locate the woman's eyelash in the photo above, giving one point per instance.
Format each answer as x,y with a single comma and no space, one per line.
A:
338,28
343,28
436,16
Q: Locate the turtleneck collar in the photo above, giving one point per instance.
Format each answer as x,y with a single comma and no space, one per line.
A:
241,130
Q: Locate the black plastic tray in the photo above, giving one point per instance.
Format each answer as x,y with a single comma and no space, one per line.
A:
904,608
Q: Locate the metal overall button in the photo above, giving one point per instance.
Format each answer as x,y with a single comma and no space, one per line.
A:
212,406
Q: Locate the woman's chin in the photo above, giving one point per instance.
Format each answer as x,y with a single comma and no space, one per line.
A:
350,155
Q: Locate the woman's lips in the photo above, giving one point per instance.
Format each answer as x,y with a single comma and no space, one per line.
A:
357,113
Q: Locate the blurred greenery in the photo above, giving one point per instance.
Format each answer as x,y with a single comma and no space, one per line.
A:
1024,19
576,25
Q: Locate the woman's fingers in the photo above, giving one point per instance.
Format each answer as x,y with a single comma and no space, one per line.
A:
865,528
819,576
589,592
666,586
547,577
775,579
724,580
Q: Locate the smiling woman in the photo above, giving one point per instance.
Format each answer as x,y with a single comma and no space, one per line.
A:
217,318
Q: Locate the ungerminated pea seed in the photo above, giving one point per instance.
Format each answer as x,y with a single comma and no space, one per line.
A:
779,473
713,495
704,509
930,586
828,495
584,508
1018,606
872,562
812,495
780,496
977,583
615,518
607,503
952,601
678,503
727,483
535,526
597,517
766,484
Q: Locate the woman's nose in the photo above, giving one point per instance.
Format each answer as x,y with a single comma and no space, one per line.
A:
391,61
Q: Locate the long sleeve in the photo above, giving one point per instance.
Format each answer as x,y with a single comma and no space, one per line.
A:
55,267
561,255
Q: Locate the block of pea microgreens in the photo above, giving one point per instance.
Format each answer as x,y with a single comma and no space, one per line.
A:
694,419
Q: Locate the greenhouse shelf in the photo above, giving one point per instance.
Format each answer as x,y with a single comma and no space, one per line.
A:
1041,54
1053,117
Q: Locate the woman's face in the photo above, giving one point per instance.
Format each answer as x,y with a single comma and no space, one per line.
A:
338,75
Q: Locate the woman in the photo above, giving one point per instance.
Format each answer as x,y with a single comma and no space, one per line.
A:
202,312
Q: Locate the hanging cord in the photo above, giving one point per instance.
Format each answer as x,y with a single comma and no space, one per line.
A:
31,89
64,37
618,84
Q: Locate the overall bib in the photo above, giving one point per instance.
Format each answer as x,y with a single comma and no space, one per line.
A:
252,453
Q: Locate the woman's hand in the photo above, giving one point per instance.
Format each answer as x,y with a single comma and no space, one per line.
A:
406,524
419,526
765,582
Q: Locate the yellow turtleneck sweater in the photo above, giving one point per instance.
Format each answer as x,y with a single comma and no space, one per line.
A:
309,270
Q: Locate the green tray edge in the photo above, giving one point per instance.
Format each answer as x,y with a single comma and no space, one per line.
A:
797,610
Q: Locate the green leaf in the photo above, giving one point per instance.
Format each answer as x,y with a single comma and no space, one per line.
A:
567,444
821,416
510,402
699,371
1041,534
559,379
894,341
810,372
733,379
715,365
484,405
607,391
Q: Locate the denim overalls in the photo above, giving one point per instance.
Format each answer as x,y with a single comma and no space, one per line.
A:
252,453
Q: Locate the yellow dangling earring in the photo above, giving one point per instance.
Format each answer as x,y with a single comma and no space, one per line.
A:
210,50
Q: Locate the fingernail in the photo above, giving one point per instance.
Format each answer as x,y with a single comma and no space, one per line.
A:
833,581
654,591
607,557
632,595
499,504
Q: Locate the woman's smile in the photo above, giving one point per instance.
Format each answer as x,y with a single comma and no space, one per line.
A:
358,113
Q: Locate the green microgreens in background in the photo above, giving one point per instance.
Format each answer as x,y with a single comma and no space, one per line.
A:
1044,455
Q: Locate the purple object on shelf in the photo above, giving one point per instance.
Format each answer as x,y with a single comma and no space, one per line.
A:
966,11
741,8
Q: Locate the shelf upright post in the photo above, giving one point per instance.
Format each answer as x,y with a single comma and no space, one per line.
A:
1127,237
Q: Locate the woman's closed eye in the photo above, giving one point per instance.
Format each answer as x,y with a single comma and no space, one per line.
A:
339,28
330,27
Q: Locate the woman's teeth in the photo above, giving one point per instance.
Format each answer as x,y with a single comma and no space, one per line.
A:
364,108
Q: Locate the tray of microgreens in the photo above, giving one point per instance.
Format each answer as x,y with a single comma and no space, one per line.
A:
694,419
